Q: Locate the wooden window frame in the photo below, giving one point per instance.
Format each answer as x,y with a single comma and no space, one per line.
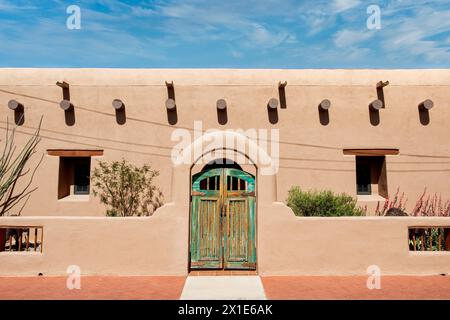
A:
78,153
371,152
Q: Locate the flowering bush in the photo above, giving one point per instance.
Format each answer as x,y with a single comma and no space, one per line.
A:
426,205
398,202
431,206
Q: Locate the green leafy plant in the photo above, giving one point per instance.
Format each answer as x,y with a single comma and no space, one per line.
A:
322,203
126,189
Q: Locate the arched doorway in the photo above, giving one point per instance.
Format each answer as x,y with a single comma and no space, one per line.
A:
223,218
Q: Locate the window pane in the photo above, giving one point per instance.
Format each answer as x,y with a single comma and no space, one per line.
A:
235,183
212,183
242,185
363,178
204,184
82,176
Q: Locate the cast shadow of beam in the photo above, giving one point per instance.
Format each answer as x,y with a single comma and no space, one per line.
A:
121,116
222,116
273,115
324,116
380,96
172,115
282,94
374,116
19,116
69,116
424,116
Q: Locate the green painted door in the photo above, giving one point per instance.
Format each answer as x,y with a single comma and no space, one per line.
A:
223,220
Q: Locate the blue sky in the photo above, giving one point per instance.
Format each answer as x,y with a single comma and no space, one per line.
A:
225,34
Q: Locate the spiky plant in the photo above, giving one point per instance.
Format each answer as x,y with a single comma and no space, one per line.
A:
13,168
398,202
428,205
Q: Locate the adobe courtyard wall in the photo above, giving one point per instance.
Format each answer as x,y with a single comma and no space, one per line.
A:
311,152
286,245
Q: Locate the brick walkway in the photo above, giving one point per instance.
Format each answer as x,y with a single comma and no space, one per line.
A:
355,288
156,288
92,288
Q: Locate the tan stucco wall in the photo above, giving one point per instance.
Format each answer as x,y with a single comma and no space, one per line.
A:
287,245
311,153
105,246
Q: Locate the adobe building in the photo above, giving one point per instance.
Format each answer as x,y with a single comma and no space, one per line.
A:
361,132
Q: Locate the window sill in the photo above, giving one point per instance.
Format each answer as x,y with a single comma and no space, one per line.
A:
21,253
429,253
75,198
370,198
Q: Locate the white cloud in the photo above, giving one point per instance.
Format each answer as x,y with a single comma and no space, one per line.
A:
236,54
344,5
315,32
416,35
346,38
9,6
202,20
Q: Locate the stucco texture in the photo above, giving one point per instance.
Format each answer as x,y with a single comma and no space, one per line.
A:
311,153
311,156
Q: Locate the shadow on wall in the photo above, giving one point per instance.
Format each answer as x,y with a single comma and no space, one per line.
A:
282,94
69,116
19,116
69,112
172,115
424,116
324,116
121,115
222,116
374,116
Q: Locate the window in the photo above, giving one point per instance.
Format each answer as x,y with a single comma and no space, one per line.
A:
429,239
236,184
74,176
371,175
19,239
82,169
363,176
210,183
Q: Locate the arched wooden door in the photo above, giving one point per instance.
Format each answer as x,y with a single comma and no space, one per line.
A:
223,220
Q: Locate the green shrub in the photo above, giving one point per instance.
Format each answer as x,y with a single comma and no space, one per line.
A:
126,189
322,204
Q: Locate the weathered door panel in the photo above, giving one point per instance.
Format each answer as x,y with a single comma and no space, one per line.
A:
240,226
206,246
223,221
239,250
206,233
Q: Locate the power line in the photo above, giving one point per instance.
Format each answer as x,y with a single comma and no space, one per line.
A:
93,145
190,129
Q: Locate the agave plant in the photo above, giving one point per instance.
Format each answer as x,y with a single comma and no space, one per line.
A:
13,167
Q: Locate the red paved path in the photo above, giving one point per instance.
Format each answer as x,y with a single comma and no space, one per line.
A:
355,288
151,288
92,288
